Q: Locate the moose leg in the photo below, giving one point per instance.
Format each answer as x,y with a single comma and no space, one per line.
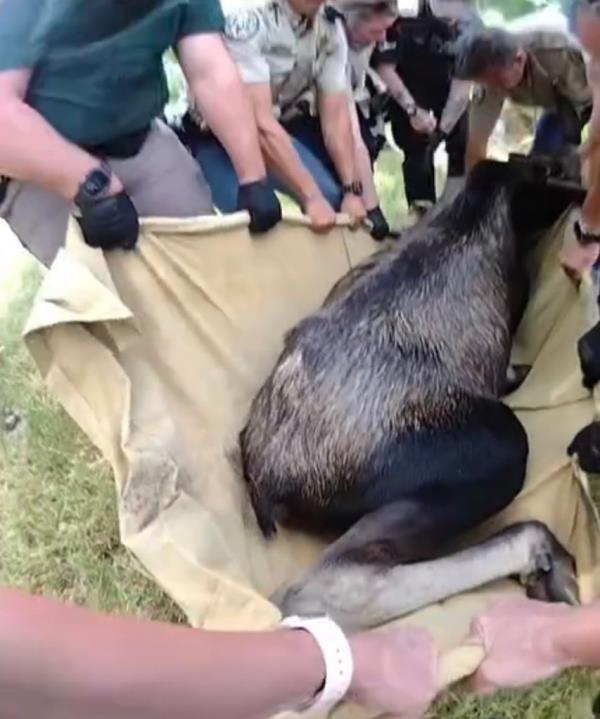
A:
364,594
439,485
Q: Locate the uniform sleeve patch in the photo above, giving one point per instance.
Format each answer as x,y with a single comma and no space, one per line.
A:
242,25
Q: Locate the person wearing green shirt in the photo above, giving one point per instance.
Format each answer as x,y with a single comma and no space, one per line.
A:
82,89
584,253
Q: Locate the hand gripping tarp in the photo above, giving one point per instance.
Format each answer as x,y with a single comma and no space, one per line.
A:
157,353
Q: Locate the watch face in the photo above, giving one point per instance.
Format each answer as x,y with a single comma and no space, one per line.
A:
96,182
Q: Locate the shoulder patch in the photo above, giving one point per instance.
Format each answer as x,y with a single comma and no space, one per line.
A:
242,25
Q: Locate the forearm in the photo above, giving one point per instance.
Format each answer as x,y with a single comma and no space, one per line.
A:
363,163
593,74
283,160
456,105
476,151
578,637
590,210
32,151
239,138
339,141
365,171
395,85
62,662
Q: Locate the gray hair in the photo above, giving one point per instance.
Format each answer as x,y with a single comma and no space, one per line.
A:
479,49
355,10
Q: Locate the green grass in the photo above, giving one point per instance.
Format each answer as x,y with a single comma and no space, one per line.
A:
57,503
59,521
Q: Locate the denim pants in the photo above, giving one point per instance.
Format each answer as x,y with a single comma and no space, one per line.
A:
222,179
549,135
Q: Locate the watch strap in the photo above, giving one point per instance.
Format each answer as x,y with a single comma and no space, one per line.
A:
353,188
337,656
584,237
94,185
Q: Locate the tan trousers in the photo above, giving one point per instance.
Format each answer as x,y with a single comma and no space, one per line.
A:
163,180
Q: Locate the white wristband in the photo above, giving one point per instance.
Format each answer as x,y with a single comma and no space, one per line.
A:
337,655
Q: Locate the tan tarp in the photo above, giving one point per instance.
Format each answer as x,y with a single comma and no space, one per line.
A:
157,355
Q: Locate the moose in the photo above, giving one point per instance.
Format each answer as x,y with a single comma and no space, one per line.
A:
382,422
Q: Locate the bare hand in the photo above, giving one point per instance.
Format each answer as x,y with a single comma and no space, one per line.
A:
395,671
424,121
578,259
354,207
521,638
320,214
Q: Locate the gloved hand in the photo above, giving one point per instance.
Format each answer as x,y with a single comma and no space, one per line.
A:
379,225
110,222
261,203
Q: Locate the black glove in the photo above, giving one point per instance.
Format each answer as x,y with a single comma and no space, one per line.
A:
379,225
262,204
110,222
586,445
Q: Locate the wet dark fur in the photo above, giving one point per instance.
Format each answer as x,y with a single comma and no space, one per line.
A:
390,391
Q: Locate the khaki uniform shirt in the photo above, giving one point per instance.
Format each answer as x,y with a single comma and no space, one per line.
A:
555,70
273,44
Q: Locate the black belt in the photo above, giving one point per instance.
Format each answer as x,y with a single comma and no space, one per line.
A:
122,147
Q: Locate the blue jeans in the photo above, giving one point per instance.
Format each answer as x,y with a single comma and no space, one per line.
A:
549,139
222,179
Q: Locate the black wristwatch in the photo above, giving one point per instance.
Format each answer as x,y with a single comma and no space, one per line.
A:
94,185
585,238
353,188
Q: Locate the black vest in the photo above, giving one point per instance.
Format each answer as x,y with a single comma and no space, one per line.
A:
424,55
